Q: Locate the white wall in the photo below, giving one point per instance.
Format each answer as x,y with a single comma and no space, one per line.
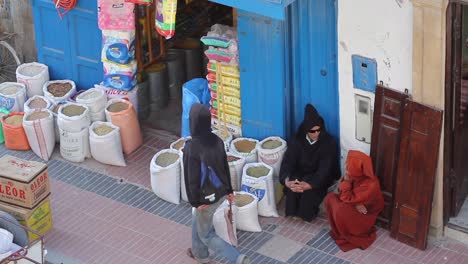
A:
377,29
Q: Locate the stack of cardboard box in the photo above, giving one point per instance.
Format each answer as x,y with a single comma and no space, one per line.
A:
25,193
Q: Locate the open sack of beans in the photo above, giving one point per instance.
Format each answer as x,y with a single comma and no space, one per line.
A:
74,121
165,175
226,136
179,145
247,212
224,227
39,128
15,137
121,113
245,147
12,96
105,145
271,152
96,100
36,102
257,179
236,164
59,90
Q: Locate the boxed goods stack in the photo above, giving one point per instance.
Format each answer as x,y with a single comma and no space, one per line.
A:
25,193
224,78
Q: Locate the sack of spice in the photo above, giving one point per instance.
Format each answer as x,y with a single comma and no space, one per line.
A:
236,164
60,90
247,212
271,152
15,137
74,146
104,141
12,96
179,145
55,108
165,175
245,147
96,100
39,128
36,102
73,117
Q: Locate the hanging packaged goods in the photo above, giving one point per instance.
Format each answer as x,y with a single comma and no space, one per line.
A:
166,17
116,15
118,46
226,69
227,90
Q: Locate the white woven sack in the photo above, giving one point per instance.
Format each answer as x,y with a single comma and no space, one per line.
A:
272,157
73,123
112,93
57,132
183,190
262,187
247,215
165,181
74,146
226,141
33,76
249,157
40,133
12,96
107,148
235,170
54,98
96,100
27,107
223,228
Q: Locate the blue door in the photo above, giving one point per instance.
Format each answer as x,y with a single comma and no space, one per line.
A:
313,46
70,46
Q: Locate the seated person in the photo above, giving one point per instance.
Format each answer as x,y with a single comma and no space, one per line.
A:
309,167
352,212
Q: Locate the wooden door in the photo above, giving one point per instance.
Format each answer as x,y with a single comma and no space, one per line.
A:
385,147
419,149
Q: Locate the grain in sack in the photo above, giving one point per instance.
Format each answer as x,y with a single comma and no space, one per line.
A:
60,90
36,102
247,212
73,117
74,146
245,147
12,96
33,76
225,136
165,175
271,152
257,179
236,164
55,107
40,131
179,145
96,100
15,136
105,145
122,114
223,226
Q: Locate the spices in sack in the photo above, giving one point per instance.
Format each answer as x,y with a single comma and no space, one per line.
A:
271,144
37,103
166,159
73,110
232,158
257,172
241,200
103,130
180,144
117,107
59,89
37,115
245,146
14,120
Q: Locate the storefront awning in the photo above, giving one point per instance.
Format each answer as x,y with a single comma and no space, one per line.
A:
269,8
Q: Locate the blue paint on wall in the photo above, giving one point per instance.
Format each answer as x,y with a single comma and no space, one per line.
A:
364,73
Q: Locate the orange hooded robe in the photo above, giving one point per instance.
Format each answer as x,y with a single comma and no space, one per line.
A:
349,228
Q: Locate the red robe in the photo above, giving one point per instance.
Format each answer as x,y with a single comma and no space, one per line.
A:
349,228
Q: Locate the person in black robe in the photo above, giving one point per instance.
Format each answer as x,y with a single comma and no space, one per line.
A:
309,167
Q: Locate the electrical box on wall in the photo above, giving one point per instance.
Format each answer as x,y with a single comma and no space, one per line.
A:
364,73
363,118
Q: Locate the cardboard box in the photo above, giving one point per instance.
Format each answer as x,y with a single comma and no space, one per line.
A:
23,183
38,219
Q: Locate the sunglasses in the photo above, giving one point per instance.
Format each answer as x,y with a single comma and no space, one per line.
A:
314,131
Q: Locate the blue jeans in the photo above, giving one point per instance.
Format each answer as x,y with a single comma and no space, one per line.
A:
204,237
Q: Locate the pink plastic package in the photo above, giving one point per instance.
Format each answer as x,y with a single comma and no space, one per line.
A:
116,15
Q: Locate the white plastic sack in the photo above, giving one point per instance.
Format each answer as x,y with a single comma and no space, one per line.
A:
12,96
183,191
235,169
40,132
107,148
273,158
247,215
226,140
96,100
262,187
165,181
54,108
33,76
28,107
249,157
54,98
73,123
223,226
131,95
74,146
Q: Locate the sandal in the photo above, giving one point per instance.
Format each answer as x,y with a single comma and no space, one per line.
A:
190,255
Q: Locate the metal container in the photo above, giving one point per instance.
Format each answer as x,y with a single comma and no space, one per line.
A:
175,61
143,99
193,63
158,87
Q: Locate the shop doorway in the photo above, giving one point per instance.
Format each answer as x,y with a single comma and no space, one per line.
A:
456,118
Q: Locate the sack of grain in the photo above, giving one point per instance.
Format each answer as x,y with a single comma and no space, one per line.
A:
55,108
122,114
39,128
179,145
257,179
104,141
271,152
36,102
12,96
15,137
223,226
96,100
60,90
236,164
245,147
226,137
3,112
73,117
33,76
74,146
247,212
112,93
165,175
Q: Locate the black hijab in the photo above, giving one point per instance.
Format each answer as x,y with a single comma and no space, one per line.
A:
311,119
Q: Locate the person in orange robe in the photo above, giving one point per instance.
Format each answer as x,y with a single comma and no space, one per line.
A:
352,213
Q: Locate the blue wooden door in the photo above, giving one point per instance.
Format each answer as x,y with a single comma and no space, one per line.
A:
70,46
312,39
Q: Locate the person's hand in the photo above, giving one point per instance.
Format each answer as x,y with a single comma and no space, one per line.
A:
203,207
361,208
230,198
305,186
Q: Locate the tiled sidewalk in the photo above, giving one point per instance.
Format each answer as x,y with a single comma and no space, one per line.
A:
104,214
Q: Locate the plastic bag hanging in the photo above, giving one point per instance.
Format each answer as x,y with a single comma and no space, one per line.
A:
165,21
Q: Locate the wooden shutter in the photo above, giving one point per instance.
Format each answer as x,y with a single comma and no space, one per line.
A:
385,147
419,149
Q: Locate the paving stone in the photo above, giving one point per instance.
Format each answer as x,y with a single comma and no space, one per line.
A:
280,248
